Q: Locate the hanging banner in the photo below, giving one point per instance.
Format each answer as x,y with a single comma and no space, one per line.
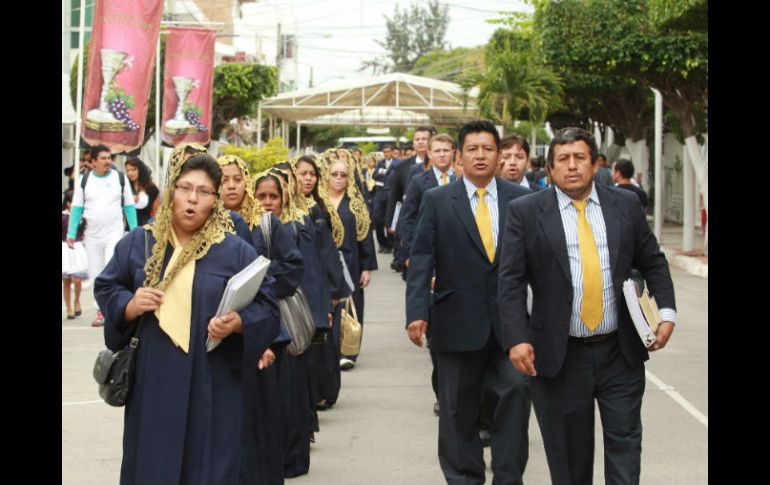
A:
120,70
188,84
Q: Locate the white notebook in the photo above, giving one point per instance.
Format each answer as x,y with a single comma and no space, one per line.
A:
240,291
637,315
396,213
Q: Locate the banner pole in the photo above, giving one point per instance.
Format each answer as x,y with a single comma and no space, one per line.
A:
158,159
79,102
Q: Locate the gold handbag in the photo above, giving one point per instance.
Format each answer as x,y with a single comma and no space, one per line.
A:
350,330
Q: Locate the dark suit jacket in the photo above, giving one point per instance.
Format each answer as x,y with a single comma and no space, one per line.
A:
399,183
407,221
463,308
381,195
535,252
408,218
535,187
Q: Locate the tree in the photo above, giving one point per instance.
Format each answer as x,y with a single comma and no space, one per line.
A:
260,159
514,84
412,33
323,137
237,90
452,65
582,39
636,45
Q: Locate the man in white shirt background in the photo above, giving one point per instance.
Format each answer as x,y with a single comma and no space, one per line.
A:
101,199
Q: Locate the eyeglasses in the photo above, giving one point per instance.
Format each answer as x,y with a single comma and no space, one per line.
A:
341,175
201,191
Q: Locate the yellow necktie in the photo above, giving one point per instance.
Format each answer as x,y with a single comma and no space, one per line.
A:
444,179
591,309
484,223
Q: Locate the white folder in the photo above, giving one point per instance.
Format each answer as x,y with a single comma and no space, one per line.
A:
240,291
637,315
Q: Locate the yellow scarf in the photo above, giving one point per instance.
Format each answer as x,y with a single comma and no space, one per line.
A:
175,313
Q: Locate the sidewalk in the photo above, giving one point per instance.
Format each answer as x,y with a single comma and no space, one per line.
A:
694,262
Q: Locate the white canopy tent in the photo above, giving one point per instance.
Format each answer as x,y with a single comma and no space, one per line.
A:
389,100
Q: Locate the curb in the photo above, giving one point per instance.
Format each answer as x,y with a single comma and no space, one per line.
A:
694,266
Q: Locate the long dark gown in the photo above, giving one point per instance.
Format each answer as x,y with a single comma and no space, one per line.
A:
263,435
183,420
324,354
359,256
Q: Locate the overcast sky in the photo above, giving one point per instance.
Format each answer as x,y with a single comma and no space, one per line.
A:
335,36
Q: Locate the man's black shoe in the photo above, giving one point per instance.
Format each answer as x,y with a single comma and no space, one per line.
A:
387,250
396,267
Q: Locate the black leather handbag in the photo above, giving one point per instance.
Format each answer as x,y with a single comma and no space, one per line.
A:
114,371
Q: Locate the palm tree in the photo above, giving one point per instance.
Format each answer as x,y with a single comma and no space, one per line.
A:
513,85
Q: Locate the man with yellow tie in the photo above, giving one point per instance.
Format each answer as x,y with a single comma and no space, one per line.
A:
575,244
458,239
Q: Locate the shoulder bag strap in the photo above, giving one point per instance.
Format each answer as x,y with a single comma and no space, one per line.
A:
135,336
264,225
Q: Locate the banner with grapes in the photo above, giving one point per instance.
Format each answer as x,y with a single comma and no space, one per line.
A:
188,83
120,71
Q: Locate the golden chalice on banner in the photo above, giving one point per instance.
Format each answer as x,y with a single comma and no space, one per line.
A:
102,118
178,125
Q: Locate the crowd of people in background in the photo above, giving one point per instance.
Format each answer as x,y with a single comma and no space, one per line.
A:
248,411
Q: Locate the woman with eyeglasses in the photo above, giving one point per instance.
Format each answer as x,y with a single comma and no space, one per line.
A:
263,435
357,245
184,416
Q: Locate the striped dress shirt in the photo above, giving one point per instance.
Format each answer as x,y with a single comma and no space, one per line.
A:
450,175
490,198
569,215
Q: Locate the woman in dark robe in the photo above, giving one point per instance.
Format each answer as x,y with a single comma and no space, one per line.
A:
273,192
184,417
324,353
357,245
263,435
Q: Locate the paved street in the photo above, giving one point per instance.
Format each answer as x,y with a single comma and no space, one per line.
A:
382,431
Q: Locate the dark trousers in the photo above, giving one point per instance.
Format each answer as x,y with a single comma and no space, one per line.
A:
460,451
399,251
487,411
384,240
564,406
434,373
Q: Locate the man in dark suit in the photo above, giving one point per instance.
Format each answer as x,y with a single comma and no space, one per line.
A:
623,176
514,160
575,244
381,171
400,181
440,172
440,148
457,238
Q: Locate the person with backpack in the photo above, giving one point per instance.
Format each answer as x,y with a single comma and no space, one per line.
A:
101,197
